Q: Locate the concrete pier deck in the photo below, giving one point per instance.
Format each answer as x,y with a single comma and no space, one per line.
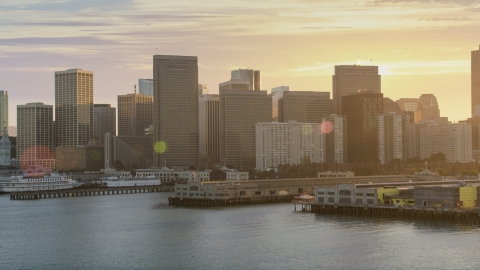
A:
81,192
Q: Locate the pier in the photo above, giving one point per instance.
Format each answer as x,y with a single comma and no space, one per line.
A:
81,192
469,215
208,202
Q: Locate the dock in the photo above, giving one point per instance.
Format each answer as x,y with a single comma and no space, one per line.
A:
208,202
82,192
469,215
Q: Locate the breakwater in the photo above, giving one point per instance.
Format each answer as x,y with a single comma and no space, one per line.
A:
469,215
208,202
81,192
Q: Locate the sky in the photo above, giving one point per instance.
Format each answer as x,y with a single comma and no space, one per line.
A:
420,46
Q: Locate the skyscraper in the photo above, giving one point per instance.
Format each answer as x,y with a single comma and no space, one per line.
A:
335,128
239,112
209,127
243,79
145,87
427,108
410,105
304,106
277,93
73,107
4,109
351,79
362,111
475,73
35,135
202,89
175,117
134,114
104,120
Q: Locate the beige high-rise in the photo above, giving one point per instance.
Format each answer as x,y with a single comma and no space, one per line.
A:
175,113
352,79
475,75
427,108
35,135
135,112
240,110
73,107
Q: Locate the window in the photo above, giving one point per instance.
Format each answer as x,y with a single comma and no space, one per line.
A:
344,201
331,200
370,195
321,193
359,194
345,192
331,193
369,201
358,201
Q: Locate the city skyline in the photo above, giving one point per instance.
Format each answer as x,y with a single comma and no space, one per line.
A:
293,43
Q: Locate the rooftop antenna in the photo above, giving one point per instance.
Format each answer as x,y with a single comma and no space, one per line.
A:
135,88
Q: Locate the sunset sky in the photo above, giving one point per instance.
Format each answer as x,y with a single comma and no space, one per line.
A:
420,46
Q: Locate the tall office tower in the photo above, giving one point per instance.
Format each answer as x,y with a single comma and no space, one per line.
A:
145,87
390,106
351,79
362,111
208,125
104,120
134,114
243,79
276,94
239,112
35,135
393,137
175,118
202,89
288,143
4,109
453,140
409,105
335,128
475,74
304,106
427,108
73,107
5,148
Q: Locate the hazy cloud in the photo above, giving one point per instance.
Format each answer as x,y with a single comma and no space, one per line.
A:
56,41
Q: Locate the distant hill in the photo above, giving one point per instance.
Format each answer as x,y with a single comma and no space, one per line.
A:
12,131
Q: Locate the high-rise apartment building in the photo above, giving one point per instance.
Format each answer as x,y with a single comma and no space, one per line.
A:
175,118
393,137
104,120
202,89
335,129
239,112
288,143
4,109
362,111
304,106
35,135
351,79
209,130
409,105
145,87
73,107
135,112
243,79
277,93
427,108
475,75
453,140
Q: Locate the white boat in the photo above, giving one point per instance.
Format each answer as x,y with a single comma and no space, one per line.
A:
114,181
37,182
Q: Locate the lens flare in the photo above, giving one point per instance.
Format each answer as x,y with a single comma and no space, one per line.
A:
326,127
37,159
160,147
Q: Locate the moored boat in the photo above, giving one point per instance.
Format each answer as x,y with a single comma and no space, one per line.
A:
35,182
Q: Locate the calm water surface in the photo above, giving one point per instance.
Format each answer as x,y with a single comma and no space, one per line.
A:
140,231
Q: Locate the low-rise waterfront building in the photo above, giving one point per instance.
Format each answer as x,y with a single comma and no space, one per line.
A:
346,194
237,176
454,196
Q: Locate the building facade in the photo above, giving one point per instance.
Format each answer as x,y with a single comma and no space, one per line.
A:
4,109
335,129
277,93
392,137
290,143
104,120
175,114
349,79
73,107
243,79
409,105
35,145
135,113
239,112
202,89
427,108
362,111
475,78
209,130
145,87
5,149
304,106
